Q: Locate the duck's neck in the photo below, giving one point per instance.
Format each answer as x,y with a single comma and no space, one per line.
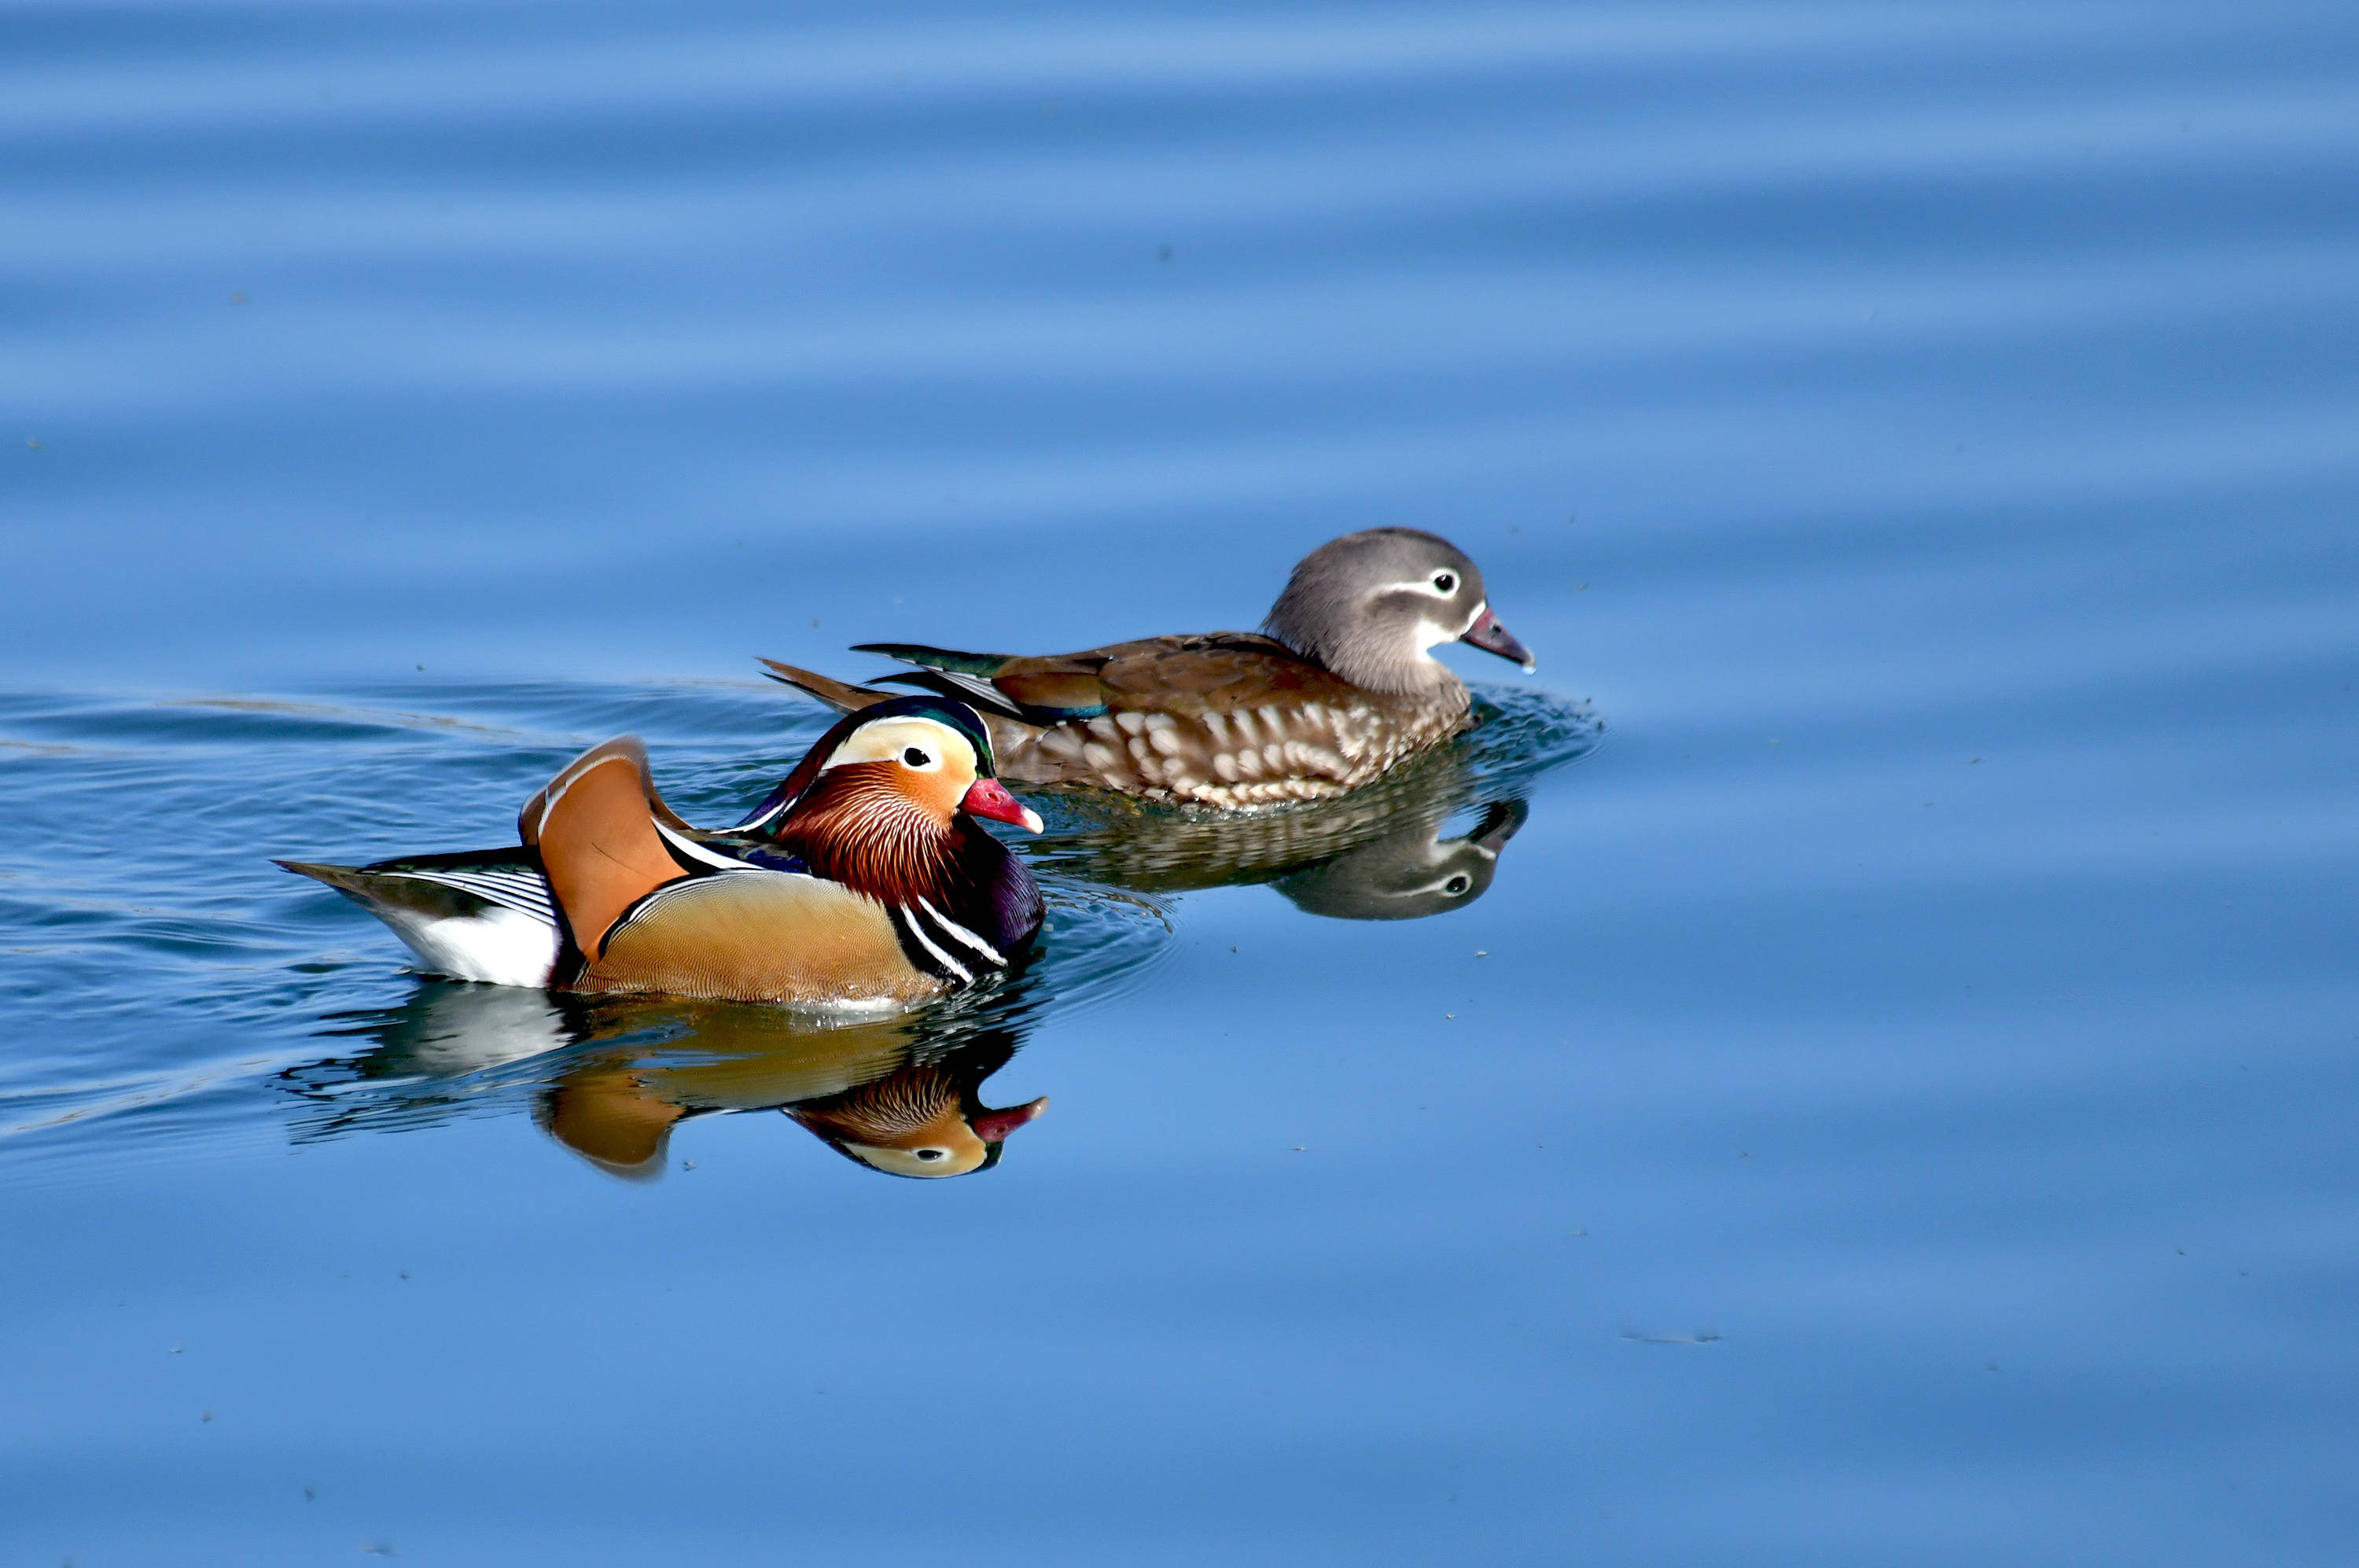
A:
876,841
900,1103
1373,658
1402,672
872,839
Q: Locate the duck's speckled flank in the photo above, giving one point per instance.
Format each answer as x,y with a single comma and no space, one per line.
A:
1242,757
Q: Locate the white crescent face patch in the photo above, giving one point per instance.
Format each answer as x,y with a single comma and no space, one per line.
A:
1431,633
893,740
928,1159
1430,636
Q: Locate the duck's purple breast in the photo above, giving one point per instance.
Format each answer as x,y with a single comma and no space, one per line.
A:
1000,903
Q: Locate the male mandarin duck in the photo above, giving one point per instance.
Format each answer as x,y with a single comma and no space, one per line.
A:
859,882
1340,684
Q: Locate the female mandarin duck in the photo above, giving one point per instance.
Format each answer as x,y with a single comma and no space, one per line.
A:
857,883
1343,685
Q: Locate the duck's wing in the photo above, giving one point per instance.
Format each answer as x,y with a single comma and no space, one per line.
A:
606,1115
1219,672
606,840
1211,672
1037,689
485,914
1029,700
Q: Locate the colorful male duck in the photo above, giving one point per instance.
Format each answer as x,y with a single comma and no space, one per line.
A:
858,883
1343,685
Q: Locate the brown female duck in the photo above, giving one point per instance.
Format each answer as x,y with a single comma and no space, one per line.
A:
1340,684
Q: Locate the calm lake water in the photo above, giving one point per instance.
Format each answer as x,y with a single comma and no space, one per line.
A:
1883,1092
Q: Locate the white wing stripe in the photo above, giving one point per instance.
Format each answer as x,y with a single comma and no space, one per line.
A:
529,899
522,891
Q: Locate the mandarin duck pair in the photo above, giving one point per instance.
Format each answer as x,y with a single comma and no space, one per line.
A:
860,881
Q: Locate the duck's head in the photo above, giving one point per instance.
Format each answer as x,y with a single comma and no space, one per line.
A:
1372,606
920,1121
926,757
1410,874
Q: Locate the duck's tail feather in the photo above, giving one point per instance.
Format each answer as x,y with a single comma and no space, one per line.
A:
841,695
971,689
346,879
983,664
485,915
441,885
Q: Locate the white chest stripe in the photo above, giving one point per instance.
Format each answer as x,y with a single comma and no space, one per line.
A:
957,932
944,959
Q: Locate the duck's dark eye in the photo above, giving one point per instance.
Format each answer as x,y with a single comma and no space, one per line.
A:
916,758
1455,886
930,1154
1445,582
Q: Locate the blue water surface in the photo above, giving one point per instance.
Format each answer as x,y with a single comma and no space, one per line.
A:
1884,1095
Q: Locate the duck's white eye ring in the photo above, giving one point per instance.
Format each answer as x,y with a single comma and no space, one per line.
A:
1445,582
917,757
1457,885
931,1153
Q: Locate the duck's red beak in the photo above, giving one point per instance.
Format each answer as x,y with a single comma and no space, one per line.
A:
989,798
1488,635
992,1127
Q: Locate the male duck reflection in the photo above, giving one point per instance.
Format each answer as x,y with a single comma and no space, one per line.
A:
1344,685
902,1095
867,1092
859,882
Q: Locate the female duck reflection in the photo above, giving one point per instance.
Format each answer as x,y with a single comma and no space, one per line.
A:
1424,840
609,1078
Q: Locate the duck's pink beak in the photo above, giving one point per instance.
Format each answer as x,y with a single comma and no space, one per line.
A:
994,1126
989,798
1488,635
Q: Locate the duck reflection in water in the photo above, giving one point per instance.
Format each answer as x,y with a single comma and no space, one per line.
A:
1424,840
609,1078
